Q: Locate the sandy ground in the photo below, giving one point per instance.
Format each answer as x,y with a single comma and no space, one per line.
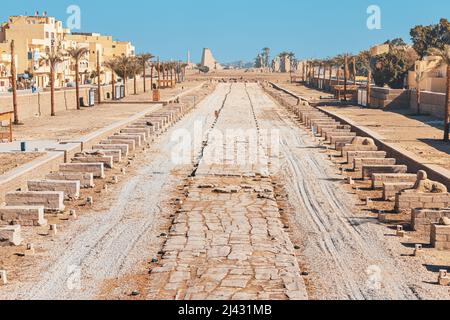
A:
164,93
12,160
420,135
75,123
341,250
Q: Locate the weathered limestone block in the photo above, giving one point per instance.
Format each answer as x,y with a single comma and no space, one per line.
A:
71,189
156,125
318,121
115,154
122,147
28,216
50,200
334,140
10,236
367,171
142,135
440,236
336,132
390,190
97,169
166,114
86,179
143,125
322,120
379,178
106,160
422,219
357,147
410,199
358,163
351,155
136,138
146,132
425,194
322,128
163,121
130,143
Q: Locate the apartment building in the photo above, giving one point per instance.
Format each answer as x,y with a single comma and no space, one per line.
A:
36,36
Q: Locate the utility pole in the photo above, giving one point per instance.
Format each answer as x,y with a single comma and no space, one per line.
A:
14,84
99,95
157,69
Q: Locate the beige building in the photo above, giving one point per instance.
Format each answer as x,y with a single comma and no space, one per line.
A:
433,77
35,36
379,49
5,66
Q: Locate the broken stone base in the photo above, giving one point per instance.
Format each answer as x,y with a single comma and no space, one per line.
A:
115,141
106,160
50,200
23,215
367,171
71,189
440,237
122,147
390,190
422,219
379,178
10,236
97,169
358,163
407,201
351,155
86,179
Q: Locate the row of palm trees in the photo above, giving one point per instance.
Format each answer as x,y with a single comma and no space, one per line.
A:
341,63
129,67
125,67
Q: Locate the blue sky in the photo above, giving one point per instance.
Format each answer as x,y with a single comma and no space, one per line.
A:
238,29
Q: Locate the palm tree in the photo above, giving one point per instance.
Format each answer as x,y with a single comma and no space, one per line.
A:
328,63
112,65
342,60
52,59
354,69
444,54
365,58
144,60
266,55
420,75
14,84
76,54
134,68
291,57
122,69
